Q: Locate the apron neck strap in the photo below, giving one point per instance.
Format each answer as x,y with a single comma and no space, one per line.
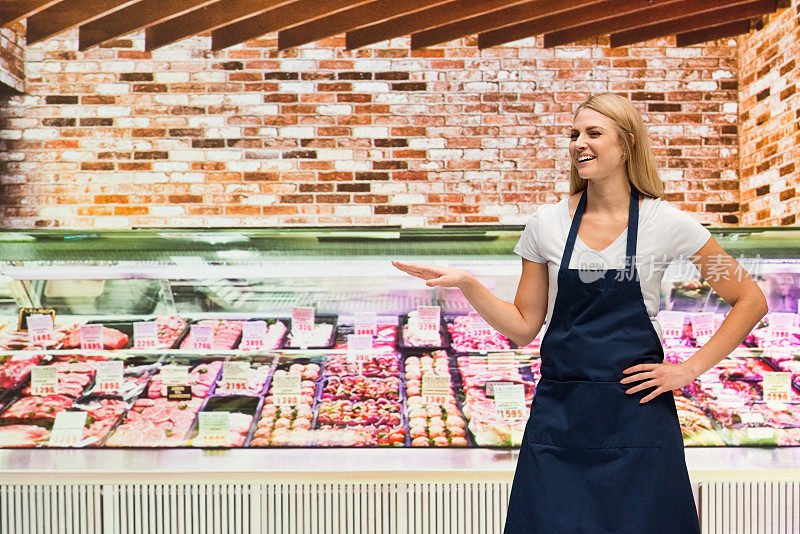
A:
633,227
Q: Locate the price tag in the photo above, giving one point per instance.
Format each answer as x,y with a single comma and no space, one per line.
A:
509,401
44,380
24,313
749,418
213,428
234,377
435,388
176,379
40,328
254,335
760,432
776,386
145,335
365,323
108,376
202,336
92,337
302,319
359,348
671,324
478,326
501,361
490,385
286,390
67,429
703,325
429,318
781,325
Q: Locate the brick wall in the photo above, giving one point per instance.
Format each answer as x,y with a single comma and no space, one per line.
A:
118,137
769,117
12,65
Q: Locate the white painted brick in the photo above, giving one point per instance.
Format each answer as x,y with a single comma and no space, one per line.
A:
419,143
500,142
722,74
187,155
483,175
701,85
245,99
478,154
150,177
133,122
51,66
371,65
113,88
431,166
327,154
223,155
207,121
730,107
514,219
55,212
480,87
167,211
206,100
244,166
317,53
371,131
446,153
407,198
111,221
500,209
170,166
399,97
260,200
296,87
268,132
76,155
370,87
172,99
298,65
351,210
263,109
40,133
10,134
81,66
223,133
334,109
408,222
561,186
209,76
292,132
187,177
386,188
351,165
171,77
113,111
171,53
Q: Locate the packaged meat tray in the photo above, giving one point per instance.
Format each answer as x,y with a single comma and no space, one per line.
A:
226,334
377,366
156,422
259,374
322,336
103,412
136,373
358,388
276,333
466,336
15,368
203,374
412,337
386,336
380,422
23,435
14,339
116,335
696,427
170,329
241,419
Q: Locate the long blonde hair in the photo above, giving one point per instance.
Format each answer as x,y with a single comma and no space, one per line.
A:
640,164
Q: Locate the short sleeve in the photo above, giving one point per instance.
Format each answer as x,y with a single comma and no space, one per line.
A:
528,244
686,234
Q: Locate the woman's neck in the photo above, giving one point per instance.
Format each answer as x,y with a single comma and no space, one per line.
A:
608,197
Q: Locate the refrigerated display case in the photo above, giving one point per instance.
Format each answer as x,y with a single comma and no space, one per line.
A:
362,416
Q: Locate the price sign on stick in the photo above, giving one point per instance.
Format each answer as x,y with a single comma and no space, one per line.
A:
44,380
781,326
671,324
234,377
501,361
359,348
435,388
67,429
176,379
213,428
286,390
202,336
509,401
92,337
302,319
108,376
254,335
365,323
40,329
429,318
776,386
478,326
145,335
702,326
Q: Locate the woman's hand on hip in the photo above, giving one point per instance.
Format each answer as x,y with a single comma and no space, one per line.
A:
663,376
435,275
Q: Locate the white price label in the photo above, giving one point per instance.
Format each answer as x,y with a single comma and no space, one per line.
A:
285,400
254,335
67,429
145,335
302,319
286,385
703,325
478,326
175,375
429,318
777,386
781,325
234,376
435,388
359,348
509,401
213,428
365,323
40,329
760,432
671,323
202,337
92,337
501,361
44,380
749,418
108,376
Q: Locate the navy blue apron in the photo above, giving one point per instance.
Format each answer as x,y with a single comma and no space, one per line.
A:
593,459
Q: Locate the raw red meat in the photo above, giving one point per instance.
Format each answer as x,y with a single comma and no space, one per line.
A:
112,339
21,435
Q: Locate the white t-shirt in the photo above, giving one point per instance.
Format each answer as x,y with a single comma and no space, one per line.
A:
665,233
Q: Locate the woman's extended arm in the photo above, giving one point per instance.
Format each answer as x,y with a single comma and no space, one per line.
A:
731,282
520,321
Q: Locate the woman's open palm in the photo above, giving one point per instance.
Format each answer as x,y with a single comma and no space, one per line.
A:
433,274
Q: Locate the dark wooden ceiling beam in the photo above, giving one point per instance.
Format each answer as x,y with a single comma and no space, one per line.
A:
645,17
204,19
142,15
430,18
568,19
719,16
69,14
713,33
278,19
351,19
13,10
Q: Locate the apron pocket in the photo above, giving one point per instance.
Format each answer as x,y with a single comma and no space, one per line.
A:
623,422
561,414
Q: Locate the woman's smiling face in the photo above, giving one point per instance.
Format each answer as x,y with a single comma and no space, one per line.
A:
593,146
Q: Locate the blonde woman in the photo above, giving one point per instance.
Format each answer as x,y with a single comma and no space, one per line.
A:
602,449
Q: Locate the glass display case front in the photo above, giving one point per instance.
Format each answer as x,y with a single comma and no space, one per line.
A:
310,338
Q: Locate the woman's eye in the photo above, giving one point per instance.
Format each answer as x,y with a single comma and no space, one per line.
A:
594,133
573,136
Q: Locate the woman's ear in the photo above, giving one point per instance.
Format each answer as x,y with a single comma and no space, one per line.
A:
633,139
